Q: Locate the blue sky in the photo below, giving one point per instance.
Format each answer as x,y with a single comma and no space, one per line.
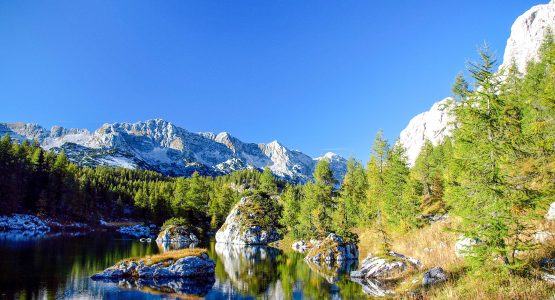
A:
316,75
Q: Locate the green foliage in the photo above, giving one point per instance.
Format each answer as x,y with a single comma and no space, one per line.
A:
267,183
175,222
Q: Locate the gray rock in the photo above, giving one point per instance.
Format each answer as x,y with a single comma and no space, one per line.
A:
189,266
331,251
434,276
137,231
240,227
542,236
373,287
385,267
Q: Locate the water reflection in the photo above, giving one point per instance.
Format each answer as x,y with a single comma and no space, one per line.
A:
250,269
177,286
60,266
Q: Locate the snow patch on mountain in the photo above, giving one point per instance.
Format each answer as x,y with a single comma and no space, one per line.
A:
160,146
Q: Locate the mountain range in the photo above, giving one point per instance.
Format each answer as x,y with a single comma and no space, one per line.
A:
161,146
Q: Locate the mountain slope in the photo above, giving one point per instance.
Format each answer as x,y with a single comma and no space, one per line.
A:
160,146
527,34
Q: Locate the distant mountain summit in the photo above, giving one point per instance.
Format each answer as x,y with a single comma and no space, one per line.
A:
527,34
160,146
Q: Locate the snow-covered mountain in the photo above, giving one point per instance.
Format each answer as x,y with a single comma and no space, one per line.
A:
160,146
527,34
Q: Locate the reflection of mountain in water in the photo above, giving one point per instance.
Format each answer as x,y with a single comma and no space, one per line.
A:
251,269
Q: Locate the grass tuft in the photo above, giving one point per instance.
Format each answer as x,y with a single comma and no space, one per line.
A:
166,256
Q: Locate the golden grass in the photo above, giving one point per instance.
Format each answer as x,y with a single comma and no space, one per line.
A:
433,245
166,256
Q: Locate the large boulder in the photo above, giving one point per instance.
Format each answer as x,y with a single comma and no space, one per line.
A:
373,287
247,224
388,266
331,251
188,266
176,237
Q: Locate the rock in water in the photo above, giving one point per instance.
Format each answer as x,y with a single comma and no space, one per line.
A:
243,225
434,276
373,288
188,266
387,267
176,237
137,231
331,251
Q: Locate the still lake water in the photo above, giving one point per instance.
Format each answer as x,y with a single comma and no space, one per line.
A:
59,268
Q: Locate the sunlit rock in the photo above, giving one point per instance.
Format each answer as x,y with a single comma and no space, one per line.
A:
242,226
388,266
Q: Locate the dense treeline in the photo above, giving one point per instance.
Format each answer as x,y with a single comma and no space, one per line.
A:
496,171
45,183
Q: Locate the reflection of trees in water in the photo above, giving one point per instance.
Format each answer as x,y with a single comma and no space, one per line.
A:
251,269
60,263
298,278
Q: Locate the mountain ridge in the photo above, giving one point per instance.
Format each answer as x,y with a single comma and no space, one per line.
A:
161,146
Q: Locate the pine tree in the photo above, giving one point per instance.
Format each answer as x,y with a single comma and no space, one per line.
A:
484,148
267,183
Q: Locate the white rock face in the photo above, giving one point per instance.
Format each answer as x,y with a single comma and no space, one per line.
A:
241,227
160,146
377,267
527,35
432,125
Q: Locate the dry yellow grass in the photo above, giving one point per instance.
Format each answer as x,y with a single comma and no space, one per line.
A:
166,256
433,245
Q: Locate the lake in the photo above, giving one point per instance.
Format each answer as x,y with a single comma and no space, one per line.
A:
59,267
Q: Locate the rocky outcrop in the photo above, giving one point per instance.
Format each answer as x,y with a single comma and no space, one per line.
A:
242,226
434,276
390,266
176,237
527,35
433,125
137,231
188,266
331,251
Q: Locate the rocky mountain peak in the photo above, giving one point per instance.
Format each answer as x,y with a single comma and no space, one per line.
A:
527,34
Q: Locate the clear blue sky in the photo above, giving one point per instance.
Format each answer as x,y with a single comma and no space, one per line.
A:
316,75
